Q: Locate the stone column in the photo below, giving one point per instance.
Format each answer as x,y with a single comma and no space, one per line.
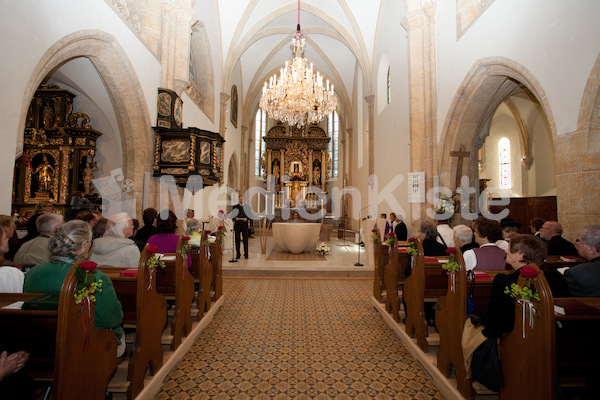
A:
419,22
175,44
371,132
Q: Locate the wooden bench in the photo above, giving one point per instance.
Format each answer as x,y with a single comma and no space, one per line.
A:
427,282
175,280
76,356
149,315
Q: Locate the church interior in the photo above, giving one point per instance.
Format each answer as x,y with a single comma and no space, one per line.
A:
493,105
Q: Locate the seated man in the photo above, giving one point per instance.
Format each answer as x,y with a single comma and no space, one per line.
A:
36,251
551,232
584,279
510,228
114,249
463,238
488,257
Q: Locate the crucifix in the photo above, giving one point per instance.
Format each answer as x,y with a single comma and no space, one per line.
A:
460,154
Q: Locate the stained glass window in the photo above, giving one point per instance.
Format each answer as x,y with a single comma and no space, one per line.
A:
260,130
504,157
333,125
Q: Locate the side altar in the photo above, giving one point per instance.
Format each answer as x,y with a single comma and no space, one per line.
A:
298,158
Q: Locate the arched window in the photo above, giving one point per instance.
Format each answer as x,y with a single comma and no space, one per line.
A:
504,159
260,130
389,87
333,125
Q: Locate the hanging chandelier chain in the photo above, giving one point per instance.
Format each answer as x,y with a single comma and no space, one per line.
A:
298,96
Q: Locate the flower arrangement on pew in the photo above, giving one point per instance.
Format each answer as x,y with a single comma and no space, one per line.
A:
374,236
322,248
85,293
185,247
389,239
221,232
412,249
87,284
206,241
451,267
154,262
525,293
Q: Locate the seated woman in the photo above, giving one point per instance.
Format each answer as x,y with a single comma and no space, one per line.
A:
166,239
70,242
499,318
11,278
429,234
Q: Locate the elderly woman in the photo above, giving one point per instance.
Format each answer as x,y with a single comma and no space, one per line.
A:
71,241
499,318
489,256
463,238
429,234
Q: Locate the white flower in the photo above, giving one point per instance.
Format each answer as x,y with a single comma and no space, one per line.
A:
322,247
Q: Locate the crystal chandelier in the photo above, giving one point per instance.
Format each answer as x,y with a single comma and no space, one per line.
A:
298,96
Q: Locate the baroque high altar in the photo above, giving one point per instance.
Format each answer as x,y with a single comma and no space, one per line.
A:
297,158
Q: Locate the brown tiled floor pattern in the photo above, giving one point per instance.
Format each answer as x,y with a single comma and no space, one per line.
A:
297,339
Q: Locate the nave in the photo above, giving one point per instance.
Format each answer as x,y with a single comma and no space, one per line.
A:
298,338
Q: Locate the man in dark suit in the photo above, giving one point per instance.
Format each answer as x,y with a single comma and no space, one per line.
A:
240,227
551,232
400,228
584,279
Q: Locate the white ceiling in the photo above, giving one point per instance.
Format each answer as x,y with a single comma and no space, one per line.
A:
256,34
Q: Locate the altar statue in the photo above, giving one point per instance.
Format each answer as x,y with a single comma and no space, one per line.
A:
88,175
45,174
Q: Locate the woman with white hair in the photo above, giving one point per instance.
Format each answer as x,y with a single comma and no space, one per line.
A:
115,249
463,238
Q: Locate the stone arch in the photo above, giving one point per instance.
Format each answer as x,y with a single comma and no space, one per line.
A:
122,85
489,82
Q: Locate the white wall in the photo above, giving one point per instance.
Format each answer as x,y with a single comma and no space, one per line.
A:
555,41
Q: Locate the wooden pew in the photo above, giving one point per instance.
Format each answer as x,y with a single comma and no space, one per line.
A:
414,289
528,363
393,275
176,280
204,275
216,260
554,262
379,263
450,316
427,282
149,315
56,341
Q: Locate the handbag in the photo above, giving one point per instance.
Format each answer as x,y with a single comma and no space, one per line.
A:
485,365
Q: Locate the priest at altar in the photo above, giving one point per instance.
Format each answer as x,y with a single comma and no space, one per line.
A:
221,219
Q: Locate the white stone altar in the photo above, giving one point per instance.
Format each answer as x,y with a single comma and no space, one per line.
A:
296,237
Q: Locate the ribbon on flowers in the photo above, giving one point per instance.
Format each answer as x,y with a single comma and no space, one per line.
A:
207,252
452,281
527,304
150,279
86,304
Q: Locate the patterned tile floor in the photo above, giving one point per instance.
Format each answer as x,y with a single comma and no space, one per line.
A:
298,339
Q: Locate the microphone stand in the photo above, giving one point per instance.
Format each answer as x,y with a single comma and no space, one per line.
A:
358,264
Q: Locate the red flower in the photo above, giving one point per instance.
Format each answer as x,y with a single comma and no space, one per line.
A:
529,272
373,230
186,238
451,250
220,228
391,234
207,232
152,249
88,266
411,240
